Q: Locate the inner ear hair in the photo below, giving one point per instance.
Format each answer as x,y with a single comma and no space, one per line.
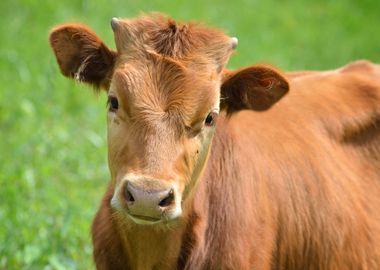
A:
82,55
254,88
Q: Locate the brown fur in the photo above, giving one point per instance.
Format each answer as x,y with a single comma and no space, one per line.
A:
248,89
82,55
292,187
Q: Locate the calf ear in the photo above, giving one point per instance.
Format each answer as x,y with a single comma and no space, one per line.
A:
255,88
82,55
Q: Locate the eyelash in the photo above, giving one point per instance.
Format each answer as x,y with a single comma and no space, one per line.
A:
210,120
112,103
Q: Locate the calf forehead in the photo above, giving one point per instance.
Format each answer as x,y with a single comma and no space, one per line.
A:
165,89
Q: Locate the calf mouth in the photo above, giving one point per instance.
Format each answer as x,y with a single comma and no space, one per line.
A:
144,220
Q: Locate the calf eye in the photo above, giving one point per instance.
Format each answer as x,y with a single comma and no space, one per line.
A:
113,103
210,119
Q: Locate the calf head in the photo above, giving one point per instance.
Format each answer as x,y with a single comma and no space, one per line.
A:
166,86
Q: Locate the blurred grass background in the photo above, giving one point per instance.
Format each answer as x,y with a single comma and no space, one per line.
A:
53,165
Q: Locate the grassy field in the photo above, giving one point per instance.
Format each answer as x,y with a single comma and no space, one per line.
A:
53,165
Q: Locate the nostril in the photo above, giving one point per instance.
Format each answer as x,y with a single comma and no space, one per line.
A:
168,200
129,197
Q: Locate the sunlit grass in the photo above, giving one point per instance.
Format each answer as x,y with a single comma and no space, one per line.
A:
53,165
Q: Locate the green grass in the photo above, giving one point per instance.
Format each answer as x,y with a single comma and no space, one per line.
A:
53,165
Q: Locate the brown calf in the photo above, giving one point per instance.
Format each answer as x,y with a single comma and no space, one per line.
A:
207,174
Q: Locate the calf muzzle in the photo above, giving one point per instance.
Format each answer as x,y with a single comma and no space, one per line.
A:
149,200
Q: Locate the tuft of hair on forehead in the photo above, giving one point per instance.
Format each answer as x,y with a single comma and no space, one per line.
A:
171,87
164,36
171,39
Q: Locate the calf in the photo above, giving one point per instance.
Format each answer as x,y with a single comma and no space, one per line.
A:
210,171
